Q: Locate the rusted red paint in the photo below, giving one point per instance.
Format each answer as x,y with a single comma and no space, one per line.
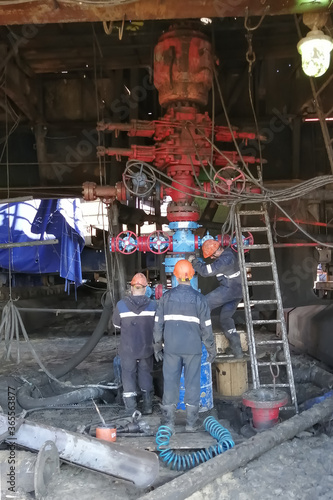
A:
183,67
181,147
49,11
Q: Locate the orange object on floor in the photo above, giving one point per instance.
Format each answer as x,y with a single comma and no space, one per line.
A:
106,433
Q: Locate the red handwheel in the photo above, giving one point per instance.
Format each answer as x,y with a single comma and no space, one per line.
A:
126,244
228,181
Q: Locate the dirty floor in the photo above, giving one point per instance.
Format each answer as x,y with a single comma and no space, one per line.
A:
299,469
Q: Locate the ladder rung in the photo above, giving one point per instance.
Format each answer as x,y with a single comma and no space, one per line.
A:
287,408
256,229
257,247
268,363
276,385
266,282
258,264
265,321
251,212
254,302
261,226
269,342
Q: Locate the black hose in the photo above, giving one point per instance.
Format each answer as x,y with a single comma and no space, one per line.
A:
28,402
88,347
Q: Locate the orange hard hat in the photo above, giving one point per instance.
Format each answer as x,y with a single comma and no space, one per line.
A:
183,270
139,279
209,247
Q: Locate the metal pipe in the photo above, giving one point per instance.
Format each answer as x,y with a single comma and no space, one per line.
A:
17,200
60,311
314,374
137,466
200,478
37,243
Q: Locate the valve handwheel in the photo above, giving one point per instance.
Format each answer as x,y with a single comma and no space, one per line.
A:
229,180
125,243
158,238
139,178
247,240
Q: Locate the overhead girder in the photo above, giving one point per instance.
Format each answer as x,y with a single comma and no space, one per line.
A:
51,11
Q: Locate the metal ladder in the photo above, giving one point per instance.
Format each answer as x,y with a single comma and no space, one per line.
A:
275,299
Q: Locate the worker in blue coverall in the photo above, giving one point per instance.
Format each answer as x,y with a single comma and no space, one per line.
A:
229,292
134,315
182,322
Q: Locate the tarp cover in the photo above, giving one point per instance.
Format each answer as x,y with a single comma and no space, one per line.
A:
43,220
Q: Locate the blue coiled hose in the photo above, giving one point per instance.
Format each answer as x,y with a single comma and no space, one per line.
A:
184,462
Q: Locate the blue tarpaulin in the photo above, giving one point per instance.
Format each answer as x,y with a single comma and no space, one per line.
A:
43,220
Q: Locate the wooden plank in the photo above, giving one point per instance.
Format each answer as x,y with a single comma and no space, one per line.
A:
179,441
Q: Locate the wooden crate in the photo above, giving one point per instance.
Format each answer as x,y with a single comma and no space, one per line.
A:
231,377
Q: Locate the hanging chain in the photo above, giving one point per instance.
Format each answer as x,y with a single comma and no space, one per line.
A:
250,54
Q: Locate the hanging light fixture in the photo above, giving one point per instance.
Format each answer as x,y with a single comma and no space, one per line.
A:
315,50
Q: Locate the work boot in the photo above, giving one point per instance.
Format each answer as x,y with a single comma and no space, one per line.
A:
130,404
192,415
168,416
235,343
147,402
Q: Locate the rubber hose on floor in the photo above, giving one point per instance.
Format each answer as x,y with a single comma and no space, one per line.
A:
24,397
29,403
188,461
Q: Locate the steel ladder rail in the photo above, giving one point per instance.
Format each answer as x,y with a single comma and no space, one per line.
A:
322,115
278,300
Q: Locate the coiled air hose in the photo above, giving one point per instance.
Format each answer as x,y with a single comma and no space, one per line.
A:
183,462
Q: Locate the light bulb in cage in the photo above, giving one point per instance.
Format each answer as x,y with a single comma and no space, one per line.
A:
315,50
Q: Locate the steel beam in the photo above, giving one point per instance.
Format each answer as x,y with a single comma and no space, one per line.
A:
57,12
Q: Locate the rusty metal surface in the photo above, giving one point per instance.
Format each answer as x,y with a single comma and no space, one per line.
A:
54,12
183,67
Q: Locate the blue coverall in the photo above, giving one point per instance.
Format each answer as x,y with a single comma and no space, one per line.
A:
183,322
229,292
134,315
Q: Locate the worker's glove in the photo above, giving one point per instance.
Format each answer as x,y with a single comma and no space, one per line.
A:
211,357
158,355
191,258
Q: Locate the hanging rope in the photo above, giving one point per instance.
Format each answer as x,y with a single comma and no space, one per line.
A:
251,57
108,26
